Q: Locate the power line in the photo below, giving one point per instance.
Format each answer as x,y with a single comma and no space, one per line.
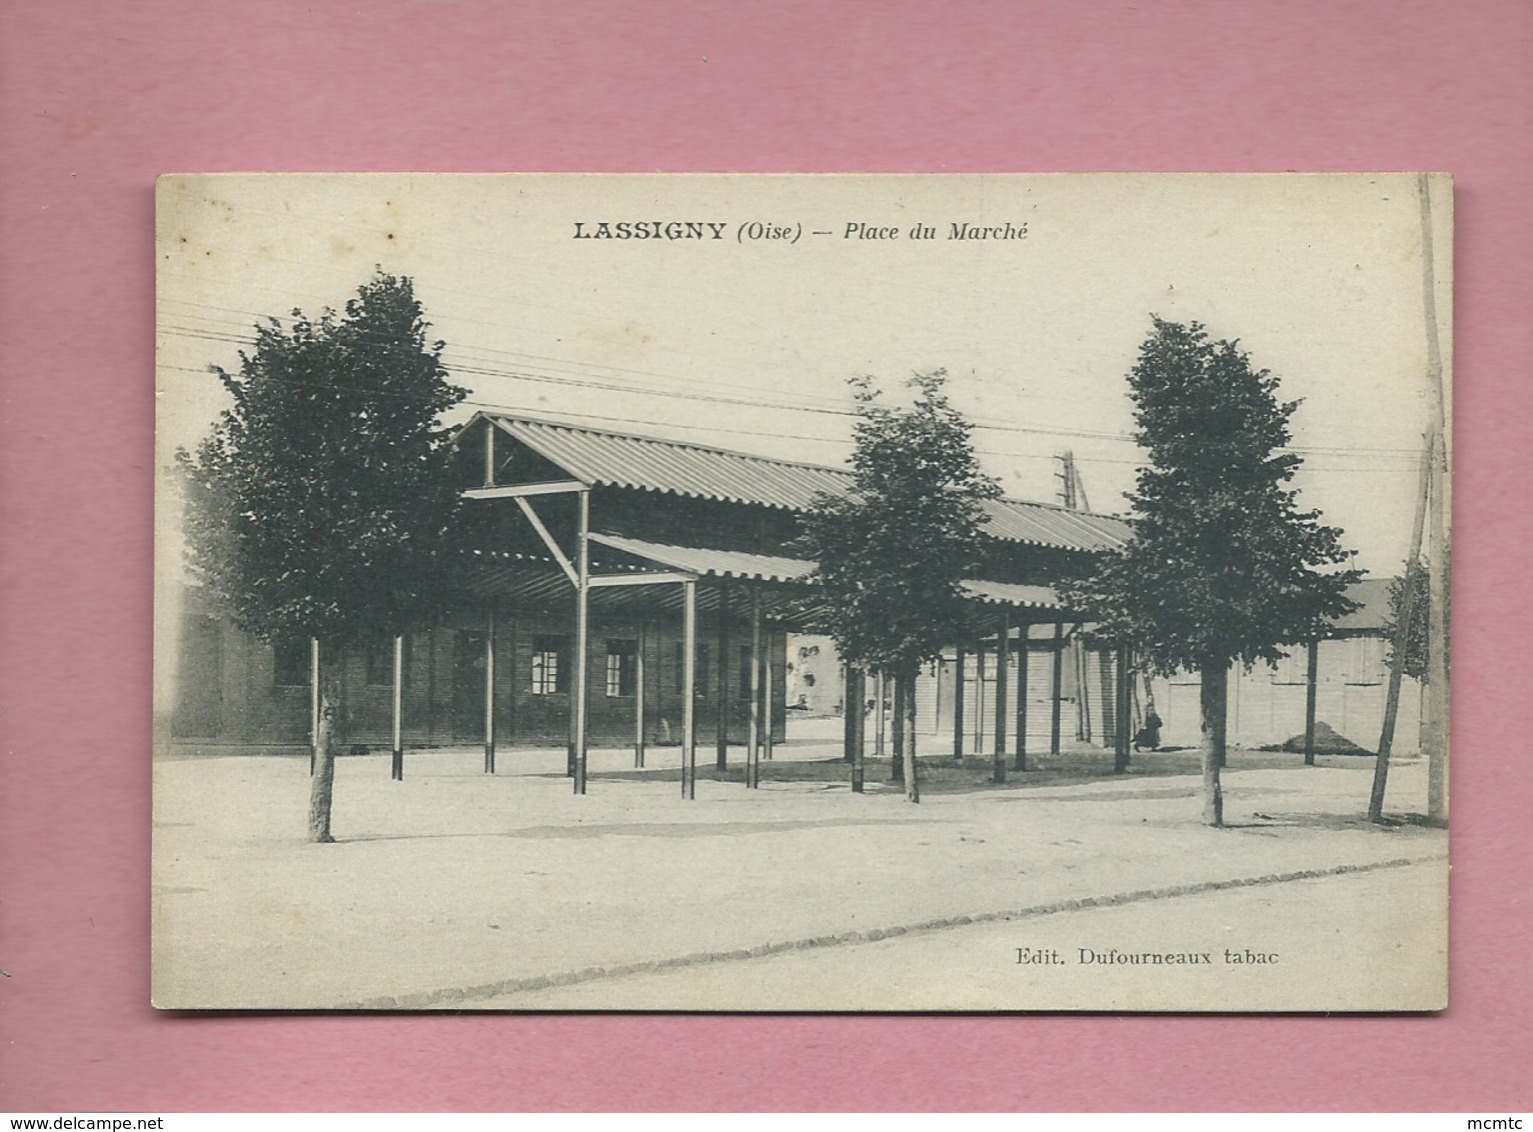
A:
563,379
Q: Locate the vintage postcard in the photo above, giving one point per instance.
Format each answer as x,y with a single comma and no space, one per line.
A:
802,593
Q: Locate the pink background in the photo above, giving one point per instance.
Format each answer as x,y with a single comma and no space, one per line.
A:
96,98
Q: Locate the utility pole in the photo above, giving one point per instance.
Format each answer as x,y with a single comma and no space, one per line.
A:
1438,550
1403,623
1066,478
1072,489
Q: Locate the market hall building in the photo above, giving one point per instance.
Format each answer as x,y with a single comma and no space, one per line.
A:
663,564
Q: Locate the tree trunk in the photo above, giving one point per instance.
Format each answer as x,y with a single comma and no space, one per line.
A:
912,785
1212,699
897,729
322,785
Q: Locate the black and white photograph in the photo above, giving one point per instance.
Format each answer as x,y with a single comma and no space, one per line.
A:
802,593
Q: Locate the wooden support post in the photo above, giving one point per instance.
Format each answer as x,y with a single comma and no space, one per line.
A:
489,453
639,692
979,698
958,703
689,690
912,768
1056,686
753,725
397,730
881,690
848,698
1023,654
857,684
768,712
313,702
489,692
1081,666
1002,679
580,690
1311,693
721,741
1122,736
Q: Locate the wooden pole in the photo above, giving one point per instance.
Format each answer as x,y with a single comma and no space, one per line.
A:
980,671
768,708
1024,653
580,689
848,698
979,698
859,765
313,702
689,689
1402,636
1080,666
753,728
1121,731
1311,694
721,740
880,688
1057,686
1439,702
398,745
639,692
857,732
1002,679
912,769
959,694
489,692
489,453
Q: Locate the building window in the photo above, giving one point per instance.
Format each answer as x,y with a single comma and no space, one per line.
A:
550,666
290,662
380,661
622,668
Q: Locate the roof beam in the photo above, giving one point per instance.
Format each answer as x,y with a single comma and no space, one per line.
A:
553,487
549,541
670,577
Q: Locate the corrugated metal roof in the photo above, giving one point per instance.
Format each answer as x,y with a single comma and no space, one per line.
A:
1008,593
1043,525
712,563
708,562
618,460
612,459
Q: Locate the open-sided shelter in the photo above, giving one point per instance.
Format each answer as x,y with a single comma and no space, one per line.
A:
612,572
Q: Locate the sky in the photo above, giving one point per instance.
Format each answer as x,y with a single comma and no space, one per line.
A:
746,341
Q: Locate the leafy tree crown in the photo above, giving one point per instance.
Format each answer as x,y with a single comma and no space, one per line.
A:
893,552
1418,635
322,500
1222,566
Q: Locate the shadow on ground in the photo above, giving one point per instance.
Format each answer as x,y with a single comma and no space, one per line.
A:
942,774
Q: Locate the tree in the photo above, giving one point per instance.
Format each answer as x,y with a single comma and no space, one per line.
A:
1222,566
893,552
320,504
1417,649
